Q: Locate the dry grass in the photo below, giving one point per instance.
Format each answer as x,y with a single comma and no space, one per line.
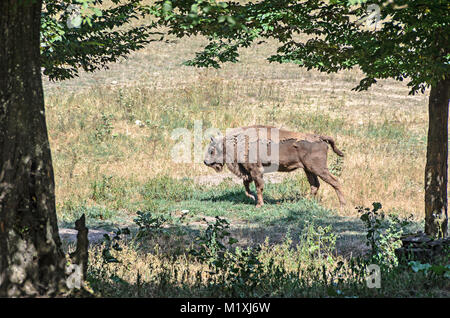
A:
382,131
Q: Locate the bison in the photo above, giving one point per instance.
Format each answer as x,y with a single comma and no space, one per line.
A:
251,151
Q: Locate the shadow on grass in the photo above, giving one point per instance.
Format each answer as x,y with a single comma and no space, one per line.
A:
350,232
238,196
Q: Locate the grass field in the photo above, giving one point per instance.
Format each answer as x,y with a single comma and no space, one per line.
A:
109,168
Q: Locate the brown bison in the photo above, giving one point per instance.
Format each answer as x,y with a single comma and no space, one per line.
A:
249,152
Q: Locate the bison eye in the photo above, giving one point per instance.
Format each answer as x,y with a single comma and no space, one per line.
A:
211,151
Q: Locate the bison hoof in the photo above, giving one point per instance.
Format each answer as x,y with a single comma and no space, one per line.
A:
259,205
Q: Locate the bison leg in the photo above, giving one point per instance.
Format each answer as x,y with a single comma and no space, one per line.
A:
326,176
259,183
248,192
313,182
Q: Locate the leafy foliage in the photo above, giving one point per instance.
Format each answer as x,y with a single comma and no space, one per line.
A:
91,38
149,223
210,247
110,244
319,243
383,234
104,127
437,269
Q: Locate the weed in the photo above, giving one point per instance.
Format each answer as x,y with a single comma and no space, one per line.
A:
101,189
438,270
104,128
383,234
149,223
126,103
113,244
318,243
209,246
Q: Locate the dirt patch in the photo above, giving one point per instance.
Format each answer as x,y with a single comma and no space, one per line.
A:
94,235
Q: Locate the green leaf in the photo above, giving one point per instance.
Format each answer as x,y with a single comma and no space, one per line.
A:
97,12
231,20
438,269
194,8
232,241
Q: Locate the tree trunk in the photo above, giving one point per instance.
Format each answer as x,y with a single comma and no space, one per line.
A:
436,218
31,259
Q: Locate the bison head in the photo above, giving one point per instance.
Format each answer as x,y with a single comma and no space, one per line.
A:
214,155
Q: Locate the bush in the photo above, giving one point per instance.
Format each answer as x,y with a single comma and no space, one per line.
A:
149,223
383,234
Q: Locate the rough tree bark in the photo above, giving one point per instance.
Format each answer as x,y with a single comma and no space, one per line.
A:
436,217
31,258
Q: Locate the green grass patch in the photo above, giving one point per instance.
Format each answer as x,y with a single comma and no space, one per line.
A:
386,130
166,188
317,123
97,216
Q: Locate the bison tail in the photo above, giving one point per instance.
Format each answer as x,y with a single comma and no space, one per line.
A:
330,141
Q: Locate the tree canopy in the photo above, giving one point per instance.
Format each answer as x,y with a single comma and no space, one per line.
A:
89,34
409,42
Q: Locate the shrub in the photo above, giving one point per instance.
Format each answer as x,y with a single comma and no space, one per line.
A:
149,223
383,234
